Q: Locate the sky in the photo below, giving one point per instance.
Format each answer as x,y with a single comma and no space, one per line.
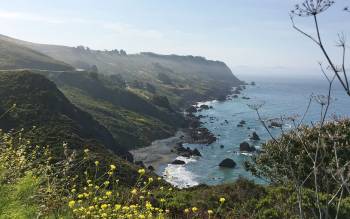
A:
250,36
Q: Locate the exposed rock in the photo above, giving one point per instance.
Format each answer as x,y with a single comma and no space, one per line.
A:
222,146
253,83
255,137
178,162
228,163
235,96
275,124
246,98
242,122
186,152
202,136
244,146
191,109
222,98
151,168
204,107
196,152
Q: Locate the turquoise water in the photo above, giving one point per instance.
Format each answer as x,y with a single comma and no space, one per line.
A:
284,97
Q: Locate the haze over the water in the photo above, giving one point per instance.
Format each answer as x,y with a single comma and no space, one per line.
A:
247,34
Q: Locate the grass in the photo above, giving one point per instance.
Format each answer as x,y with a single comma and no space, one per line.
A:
130,128
17,199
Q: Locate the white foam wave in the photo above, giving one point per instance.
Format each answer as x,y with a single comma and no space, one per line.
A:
179,175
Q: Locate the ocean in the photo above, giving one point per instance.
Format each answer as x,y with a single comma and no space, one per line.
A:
282,97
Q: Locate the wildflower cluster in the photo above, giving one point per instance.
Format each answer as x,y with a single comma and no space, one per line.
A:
83,187
107,199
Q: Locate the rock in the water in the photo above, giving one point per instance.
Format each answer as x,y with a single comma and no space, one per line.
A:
150,168
222,98
228,163
255,137
242,122
191,109
196,152
235,96
222,146
244,146
178,162
275,124
204,107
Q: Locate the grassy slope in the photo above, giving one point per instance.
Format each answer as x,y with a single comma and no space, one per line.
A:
132,120
41,104
193,78
16,198
15,56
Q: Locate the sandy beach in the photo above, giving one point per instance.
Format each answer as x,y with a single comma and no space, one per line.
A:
160,152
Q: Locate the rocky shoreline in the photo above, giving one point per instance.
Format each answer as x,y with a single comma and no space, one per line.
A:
165,151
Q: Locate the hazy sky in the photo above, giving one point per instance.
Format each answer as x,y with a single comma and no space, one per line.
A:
249,35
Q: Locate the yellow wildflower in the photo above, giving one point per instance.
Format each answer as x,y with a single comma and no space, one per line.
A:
194,209
210,212
108,193
97,162
134,191
117,207
113,167
104,206
71,203
222,200
141,171
186,210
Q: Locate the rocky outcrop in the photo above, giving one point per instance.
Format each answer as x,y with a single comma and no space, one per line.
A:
244,146
254,137
275,124
191,109
202,136
228,163
178,162
241,123
204,107
186,152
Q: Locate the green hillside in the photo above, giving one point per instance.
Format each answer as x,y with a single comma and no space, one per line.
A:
40,104
132,120
15,56
183,79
